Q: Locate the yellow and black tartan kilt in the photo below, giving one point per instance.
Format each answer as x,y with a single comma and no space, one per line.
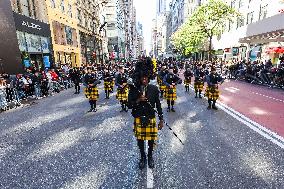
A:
163,87
159,81
198,85
212,93
171,94
107,86
122,95
187,82
92,93
112,84
149,132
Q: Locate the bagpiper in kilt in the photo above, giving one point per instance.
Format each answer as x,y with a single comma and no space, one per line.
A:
199,81
160,78
91,91
187,79
143,98
212,91
171,80
107,83
122,90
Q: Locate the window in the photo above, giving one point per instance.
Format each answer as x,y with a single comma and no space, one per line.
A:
233,4
263,12
52,2
249,17
69,10
68,32
24,7
240,22
241,3
79,16
62,5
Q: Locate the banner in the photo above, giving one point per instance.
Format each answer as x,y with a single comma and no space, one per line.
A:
46,61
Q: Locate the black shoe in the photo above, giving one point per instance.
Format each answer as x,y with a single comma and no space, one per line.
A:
91,110
142,163
95,110
151,163
209,107
214,107
168,109
75,93
122,110
196,96
173,110
200,96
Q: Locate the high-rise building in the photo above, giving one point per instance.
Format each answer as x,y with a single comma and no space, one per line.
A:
161,6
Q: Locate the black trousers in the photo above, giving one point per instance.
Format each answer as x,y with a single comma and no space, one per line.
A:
77,87
141,147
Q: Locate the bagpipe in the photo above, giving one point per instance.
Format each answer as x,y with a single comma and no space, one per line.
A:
131,83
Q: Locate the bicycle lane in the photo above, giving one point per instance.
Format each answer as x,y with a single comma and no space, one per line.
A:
260,104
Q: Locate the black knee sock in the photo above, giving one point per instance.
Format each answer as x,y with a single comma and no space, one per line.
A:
169,103
172,103
150,147
214,103
209,102
141,147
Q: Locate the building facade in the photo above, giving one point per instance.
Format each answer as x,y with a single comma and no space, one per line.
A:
92,31
250,37
64,31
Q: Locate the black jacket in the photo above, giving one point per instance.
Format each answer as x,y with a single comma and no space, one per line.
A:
143,108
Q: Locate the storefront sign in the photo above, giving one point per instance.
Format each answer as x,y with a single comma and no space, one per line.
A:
29,25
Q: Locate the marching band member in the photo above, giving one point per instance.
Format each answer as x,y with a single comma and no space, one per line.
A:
91,91
122,90
171,80
212,91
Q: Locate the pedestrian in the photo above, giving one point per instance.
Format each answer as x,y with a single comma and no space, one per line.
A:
143,98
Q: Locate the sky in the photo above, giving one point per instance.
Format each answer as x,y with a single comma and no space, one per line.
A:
146,12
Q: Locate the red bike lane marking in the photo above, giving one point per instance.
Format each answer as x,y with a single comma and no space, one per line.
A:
260,104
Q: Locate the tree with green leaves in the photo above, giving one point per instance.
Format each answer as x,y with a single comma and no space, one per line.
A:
208,20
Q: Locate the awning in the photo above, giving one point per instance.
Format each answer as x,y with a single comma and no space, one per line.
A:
271,50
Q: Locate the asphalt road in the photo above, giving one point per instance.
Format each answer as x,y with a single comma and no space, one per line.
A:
54,143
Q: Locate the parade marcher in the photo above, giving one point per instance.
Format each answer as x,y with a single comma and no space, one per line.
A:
161,74
143,98
212,91
122,90
187,79
199,76
171,80
107,83
91,91
76,78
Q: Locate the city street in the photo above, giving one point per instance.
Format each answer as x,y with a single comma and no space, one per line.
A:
54,143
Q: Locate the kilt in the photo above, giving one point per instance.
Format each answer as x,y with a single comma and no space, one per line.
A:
159,81
149,132
92,93
112,84
122,95
171,95
212,93
198,85
107,86
187,82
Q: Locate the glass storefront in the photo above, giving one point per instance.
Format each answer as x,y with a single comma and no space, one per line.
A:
34,48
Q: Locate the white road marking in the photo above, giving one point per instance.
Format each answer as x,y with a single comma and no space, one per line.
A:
150,178
149,174
269,97
273,137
